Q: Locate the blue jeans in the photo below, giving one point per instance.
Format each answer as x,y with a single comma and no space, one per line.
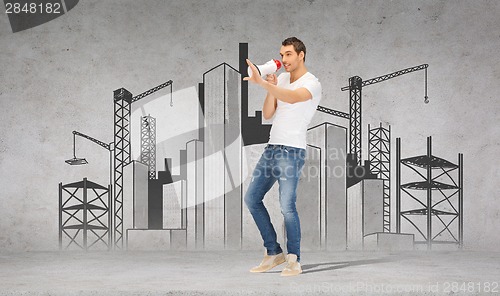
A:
283,164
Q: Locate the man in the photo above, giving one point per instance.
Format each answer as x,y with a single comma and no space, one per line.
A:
292,98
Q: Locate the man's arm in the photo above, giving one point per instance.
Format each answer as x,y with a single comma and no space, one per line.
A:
283,94
270,103
269,107
287,95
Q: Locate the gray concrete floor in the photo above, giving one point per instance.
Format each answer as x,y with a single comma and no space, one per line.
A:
226,273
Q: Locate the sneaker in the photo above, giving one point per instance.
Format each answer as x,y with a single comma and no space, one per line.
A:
293,267
269,262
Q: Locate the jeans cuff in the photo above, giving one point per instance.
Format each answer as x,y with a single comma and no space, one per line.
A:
272,253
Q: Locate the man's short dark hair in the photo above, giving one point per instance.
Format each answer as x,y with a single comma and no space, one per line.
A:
297,45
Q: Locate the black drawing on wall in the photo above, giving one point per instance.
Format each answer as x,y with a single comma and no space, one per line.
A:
252,129
82,161
201,207
437,214
379,148
122,103
355,88
84,215
120,151
148,144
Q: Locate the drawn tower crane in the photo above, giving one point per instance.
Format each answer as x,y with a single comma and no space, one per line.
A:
355,86
333,112
354,156
122,104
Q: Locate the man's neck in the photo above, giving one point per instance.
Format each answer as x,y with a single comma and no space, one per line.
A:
297,73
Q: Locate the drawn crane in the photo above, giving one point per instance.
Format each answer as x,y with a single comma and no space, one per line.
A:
356,84
354,157
123,101
79,161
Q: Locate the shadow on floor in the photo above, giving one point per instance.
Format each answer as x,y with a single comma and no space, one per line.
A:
319,267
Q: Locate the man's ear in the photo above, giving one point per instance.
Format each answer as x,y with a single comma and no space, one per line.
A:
301,55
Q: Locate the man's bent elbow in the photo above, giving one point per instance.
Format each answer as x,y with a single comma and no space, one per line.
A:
267,116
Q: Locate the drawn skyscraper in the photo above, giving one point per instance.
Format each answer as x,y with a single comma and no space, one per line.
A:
222,161
332,142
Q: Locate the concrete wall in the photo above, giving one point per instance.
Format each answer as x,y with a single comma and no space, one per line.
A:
60,76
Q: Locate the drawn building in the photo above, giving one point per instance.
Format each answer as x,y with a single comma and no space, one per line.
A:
331,141
202,206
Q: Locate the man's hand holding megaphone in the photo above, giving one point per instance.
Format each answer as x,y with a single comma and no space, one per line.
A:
270,84
272,78
254,74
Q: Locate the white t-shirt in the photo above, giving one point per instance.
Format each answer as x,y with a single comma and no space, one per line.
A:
291,120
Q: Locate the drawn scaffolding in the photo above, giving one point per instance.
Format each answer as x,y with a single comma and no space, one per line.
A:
379,146
84,215
443,212
148,144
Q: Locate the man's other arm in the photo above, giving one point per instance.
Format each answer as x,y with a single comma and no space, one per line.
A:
270,103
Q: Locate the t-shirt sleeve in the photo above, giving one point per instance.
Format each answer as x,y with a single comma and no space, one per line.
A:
314,87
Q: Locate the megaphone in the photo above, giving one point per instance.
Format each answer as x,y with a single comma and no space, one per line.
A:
268,68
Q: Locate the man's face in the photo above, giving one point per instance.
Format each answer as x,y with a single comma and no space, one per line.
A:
290,58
